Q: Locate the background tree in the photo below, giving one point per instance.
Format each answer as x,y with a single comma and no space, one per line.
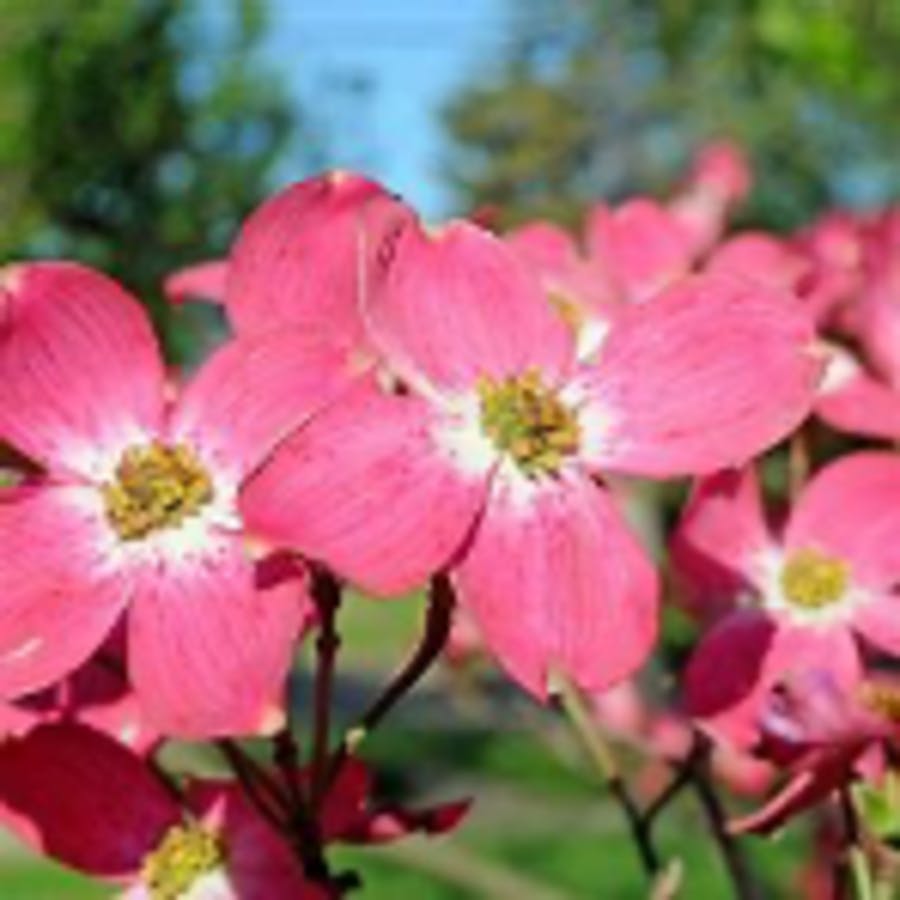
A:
610,96
134,134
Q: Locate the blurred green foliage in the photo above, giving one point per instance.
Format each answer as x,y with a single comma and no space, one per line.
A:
134,134
608,97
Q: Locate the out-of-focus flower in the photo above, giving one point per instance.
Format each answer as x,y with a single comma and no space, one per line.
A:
665,738
799,598
483,456
137,509
720,178
825,734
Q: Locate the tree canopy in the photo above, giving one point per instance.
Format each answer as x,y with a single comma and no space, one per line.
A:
610,96
133,135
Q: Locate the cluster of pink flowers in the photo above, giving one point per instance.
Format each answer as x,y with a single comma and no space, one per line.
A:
399,404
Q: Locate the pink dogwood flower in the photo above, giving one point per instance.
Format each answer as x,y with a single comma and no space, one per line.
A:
484,456
137,509
79,797
800,598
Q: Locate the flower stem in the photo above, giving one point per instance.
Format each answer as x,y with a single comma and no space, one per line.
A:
436,631
736,863
262,792
576,709
326,592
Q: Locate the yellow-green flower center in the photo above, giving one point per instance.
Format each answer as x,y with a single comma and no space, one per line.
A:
528,422
185,854
882,698
812,580
155,487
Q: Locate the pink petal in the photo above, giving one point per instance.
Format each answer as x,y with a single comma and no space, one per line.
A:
300,259
58,598
96,695
719,178
80,373
261,864
457,304
83,799
729,676
851,509
211,642
253,392
721,531
202,281
366,488
547,247
855,402
879,621
643,245
759,257
557,582
722,166
704,377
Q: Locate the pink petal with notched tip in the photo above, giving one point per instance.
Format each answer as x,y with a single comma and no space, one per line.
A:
710,373
742,658
557,583
254,392
202,281
458,304
80,372
211,641
78,796
642,245
303,258
851,509
59,599
366,488
720,535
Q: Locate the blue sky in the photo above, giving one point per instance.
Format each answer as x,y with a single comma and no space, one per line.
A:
413,52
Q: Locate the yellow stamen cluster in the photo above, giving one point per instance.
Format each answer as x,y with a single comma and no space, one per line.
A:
185,854
882,698
528,422
155,487
812,580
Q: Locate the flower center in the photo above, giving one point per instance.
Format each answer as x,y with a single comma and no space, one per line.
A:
812,580
528,422
185,854
155,487
882,698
